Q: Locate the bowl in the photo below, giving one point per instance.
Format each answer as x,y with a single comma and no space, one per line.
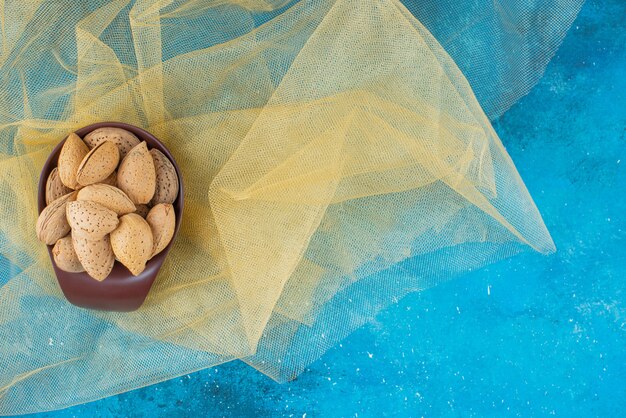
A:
120,291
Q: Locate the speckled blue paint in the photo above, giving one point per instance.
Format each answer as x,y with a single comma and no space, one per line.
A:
531,336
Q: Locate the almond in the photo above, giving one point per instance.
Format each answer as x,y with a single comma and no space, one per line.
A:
65,257
52,224
90,220
111,180
55,187
95,256
132,242
136,175
166,188
142,210
162,221
108,196
72,154
98,164
124,140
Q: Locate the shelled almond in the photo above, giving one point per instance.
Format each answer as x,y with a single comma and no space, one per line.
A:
124,140
65,257
136,175
55,187
96,256
109,198
162,221
72,154
98,164
132,242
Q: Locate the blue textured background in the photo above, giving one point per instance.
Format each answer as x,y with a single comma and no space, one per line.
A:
533,335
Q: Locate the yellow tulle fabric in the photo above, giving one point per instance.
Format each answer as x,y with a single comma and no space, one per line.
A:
334,155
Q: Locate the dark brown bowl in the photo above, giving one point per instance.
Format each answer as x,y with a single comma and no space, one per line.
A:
120,291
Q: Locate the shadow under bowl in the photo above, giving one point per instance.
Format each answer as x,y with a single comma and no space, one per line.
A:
120,291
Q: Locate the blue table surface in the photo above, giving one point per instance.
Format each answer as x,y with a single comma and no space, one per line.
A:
530,336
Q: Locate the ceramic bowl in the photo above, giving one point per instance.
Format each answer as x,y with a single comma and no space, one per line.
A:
120,291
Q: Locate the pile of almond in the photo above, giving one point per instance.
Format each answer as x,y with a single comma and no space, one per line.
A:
109,198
